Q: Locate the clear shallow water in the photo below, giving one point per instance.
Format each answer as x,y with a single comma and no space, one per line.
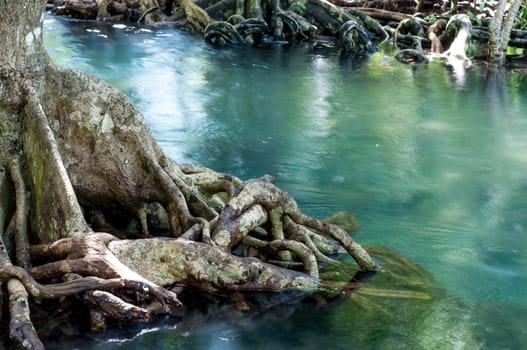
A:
433,164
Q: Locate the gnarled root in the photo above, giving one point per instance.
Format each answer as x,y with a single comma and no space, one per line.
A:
454,35
354,38
407,39
197,18
87,255
143,265
259,201
20,327
457,33
433,32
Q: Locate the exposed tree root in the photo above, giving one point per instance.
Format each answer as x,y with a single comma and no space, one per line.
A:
21,215
348,25
458,31
103,305
454,35
21,328
433,33
244,213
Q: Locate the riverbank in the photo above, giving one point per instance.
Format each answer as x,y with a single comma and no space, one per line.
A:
346,25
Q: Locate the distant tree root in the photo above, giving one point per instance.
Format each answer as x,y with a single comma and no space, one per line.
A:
258,22
454,36
356,31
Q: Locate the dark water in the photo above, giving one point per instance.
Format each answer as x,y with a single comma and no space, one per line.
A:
432,161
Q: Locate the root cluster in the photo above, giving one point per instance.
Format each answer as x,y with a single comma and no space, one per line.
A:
356,31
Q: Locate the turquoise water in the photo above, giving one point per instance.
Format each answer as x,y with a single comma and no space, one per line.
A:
432,161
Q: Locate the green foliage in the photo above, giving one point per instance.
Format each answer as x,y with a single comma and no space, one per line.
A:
300,4
514,51
521,18
431,18
474,19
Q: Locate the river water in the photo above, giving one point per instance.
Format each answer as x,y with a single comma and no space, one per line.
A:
432,161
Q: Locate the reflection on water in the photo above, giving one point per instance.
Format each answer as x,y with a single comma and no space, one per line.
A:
432,165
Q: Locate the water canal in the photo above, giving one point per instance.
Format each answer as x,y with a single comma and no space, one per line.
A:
432,161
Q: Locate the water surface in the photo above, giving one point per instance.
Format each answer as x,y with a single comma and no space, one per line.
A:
432,162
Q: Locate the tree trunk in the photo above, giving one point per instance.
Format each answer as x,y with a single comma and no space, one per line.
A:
76,156
500,28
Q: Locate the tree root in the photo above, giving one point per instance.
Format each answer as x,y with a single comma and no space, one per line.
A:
21,214
87,255
162,262
103,305
254,22
454,35
21,328
458,31
244,212
93,289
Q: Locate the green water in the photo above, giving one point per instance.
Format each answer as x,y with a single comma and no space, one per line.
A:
432,161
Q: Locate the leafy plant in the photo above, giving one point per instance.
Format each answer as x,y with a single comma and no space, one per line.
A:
431,18
521,18
300,4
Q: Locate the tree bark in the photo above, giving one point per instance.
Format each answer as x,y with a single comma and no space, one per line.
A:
500,28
